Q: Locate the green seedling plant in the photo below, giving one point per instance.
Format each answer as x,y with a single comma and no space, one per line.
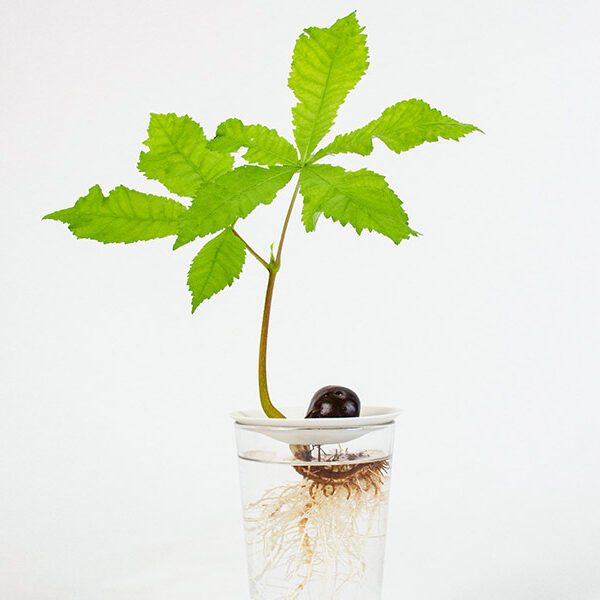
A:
327,64
314,525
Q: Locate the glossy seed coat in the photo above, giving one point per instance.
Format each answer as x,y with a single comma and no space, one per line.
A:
333,401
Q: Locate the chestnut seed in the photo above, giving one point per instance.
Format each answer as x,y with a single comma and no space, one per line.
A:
333,401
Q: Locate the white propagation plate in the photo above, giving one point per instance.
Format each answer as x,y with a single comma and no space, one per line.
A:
298,430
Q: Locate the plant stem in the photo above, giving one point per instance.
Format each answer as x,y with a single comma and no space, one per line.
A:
259,258
274,266
285,224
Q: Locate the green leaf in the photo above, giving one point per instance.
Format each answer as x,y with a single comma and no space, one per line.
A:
179,157
327,63
216,266
124,216
401,127
362,199
232,196
265,146
359,141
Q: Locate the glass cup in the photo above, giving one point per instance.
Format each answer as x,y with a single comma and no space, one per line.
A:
315,504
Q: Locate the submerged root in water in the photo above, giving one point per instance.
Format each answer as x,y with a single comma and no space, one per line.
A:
320,525
359,477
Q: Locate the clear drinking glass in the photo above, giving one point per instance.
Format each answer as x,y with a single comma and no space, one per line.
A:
315,513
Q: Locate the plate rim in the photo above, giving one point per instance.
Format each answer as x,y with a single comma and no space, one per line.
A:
383,414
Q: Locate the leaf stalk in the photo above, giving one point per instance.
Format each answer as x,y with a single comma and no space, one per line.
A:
259,258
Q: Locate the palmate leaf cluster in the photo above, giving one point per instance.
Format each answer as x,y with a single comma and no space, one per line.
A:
327,64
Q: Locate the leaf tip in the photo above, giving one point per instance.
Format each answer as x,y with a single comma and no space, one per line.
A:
58,215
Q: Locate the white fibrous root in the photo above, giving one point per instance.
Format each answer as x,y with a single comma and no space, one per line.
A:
319,526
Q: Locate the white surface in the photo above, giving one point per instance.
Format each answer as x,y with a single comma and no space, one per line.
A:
295,429
485,330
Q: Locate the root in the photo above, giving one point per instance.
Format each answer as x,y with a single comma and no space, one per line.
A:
360,476
320,525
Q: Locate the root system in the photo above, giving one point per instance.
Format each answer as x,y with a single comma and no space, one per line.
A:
319,525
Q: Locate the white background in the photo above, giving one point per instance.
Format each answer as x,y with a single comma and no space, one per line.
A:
485,330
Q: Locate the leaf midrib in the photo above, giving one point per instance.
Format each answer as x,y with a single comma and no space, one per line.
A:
213,262
195,168
243,144
348,198
237,195
304,155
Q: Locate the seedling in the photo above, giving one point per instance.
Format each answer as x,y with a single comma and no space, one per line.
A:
319,512
327,64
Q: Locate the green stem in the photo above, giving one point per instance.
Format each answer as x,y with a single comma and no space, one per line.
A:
274,266
259,258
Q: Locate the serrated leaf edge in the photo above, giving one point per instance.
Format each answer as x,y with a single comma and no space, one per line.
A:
235,277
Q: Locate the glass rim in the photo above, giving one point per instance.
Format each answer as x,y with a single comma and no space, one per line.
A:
273,428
